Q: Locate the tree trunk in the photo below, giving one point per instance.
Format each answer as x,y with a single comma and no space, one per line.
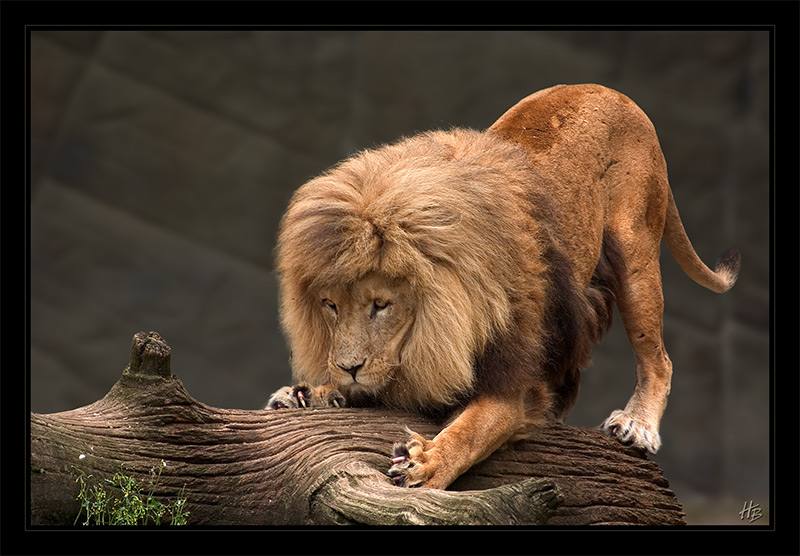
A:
323,466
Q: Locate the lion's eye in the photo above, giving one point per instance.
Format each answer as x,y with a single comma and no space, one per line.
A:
329,304
379,305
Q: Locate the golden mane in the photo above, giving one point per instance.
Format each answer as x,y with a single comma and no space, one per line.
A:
445,211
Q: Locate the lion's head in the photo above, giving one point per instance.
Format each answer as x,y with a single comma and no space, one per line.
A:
396,265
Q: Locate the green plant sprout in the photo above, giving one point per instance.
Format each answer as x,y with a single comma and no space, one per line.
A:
132,508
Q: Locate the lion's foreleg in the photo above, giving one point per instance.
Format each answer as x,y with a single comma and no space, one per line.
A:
482,427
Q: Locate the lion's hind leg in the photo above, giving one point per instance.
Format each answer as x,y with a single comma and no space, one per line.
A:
641,306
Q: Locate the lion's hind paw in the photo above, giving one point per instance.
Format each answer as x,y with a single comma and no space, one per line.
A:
631,431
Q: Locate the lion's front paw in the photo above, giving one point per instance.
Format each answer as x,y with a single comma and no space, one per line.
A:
412,462
631,431
304,395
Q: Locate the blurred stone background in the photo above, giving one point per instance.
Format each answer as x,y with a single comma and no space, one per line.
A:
161,162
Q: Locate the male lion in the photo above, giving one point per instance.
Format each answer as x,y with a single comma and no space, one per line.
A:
473,271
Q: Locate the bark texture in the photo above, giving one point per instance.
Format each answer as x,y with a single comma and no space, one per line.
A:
323,466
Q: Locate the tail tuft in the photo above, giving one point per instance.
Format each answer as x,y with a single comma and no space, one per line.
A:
728,266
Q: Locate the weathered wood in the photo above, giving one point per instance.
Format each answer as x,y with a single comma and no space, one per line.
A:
323,466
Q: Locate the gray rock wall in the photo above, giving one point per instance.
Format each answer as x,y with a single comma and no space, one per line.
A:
162,161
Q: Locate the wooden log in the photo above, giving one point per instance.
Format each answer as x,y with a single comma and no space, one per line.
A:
323,466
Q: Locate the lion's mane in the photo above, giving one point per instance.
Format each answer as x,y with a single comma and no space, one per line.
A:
456,214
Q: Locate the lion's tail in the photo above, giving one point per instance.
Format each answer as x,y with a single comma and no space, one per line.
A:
725,272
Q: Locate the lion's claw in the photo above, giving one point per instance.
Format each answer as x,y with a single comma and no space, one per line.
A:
400,463
289,397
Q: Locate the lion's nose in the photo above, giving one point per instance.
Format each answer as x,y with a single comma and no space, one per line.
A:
352,369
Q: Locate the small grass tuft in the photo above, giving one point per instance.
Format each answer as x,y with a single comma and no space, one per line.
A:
131,506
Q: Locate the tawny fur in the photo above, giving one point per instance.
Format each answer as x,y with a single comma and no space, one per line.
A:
507,250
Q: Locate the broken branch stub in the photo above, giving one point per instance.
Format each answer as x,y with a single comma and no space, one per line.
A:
150,355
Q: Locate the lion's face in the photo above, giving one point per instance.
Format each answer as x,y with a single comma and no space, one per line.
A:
369,322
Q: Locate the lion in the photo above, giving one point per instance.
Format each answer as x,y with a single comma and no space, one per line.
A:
472,272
